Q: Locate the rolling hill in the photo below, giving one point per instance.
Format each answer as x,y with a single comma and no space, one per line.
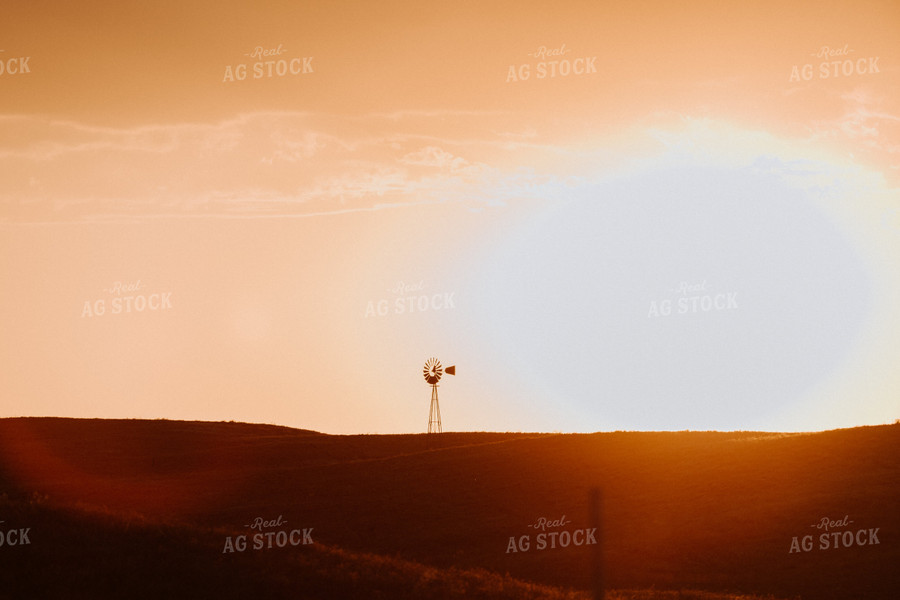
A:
161,506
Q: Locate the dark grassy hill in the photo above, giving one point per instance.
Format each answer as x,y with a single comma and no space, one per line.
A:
92,556
75,554
681,510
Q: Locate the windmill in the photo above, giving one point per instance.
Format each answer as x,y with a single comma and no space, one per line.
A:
433,371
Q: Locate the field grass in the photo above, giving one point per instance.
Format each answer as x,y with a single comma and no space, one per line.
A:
95,554
700,515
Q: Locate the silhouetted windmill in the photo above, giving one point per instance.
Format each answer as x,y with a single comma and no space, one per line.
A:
432,371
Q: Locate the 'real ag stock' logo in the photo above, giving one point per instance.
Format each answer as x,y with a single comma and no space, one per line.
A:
14,65
123,298
552,63
552,534
691,298
268,534
408,298
831,62
834,534
268,62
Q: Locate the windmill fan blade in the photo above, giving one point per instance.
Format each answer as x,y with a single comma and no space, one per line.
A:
450,370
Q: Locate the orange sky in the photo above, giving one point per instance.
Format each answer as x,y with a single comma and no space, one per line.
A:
277,211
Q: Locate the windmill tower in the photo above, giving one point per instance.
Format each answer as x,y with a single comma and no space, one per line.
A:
433,371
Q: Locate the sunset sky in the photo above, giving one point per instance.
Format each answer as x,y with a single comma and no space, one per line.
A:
631,215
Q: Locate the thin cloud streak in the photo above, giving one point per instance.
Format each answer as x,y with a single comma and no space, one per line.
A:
275,164
262,159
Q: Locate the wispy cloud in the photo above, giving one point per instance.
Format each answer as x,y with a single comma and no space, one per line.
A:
295,164
270,163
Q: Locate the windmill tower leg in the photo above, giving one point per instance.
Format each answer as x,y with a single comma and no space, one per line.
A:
434,413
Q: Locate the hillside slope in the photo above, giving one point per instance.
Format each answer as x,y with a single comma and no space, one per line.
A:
681,510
